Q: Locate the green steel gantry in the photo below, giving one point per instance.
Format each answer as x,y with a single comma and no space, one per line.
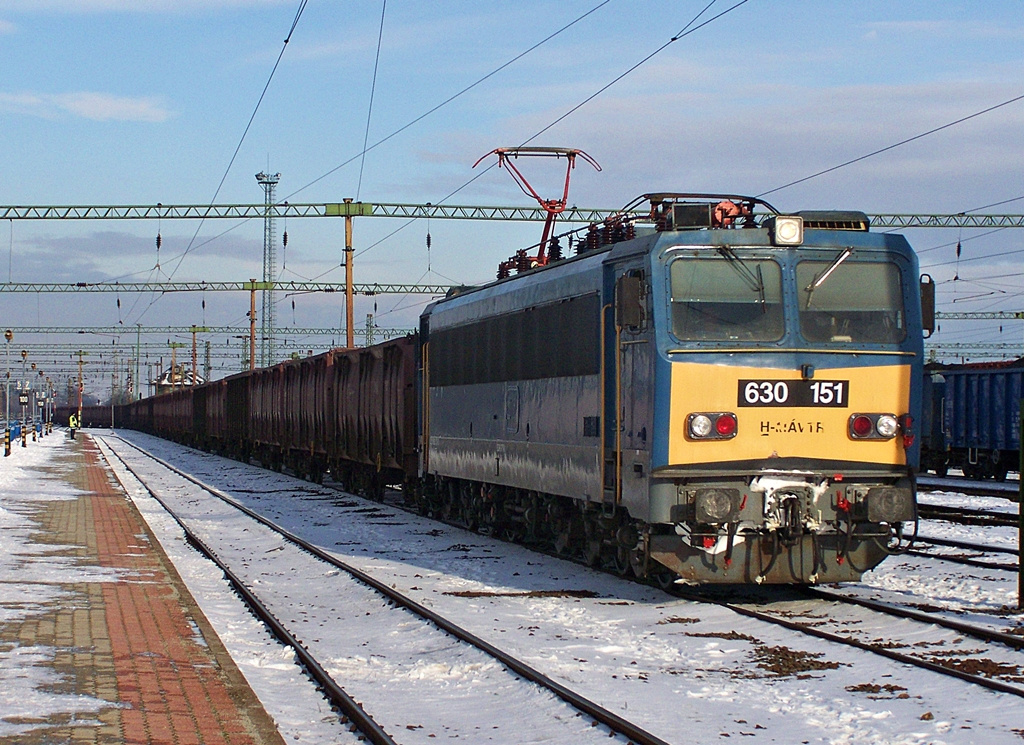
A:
251,286
571,214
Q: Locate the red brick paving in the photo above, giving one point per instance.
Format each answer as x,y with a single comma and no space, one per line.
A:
168,685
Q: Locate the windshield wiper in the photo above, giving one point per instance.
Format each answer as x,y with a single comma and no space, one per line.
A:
752,278
819,280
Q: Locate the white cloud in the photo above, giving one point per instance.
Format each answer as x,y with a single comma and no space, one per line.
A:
87,105
946,29
128,6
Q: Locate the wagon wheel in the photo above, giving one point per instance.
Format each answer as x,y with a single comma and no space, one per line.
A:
469,508
623,560
663,578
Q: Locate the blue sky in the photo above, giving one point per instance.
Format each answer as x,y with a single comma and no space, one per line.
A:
144,101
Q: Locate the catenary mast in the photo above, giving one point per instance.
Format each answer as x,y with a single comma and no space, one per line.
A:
269,184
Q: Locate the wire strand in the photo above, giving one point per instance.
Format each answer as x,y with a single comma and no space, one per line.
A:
451,98
961,120
373,88
238,147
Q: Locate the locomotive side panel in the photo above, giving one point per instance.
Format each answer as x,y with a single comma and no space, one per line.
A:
514,384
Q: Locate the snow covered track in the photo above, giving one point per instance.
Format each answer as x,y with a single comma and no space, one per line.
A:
253,555
332,691
999,668
684,671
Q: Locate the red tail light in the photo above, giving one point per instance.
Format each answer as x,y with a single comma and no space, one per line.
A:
862,426
726,425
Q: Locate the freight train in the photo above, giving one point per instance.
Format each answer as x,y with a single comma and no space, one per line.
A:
713,392
971,419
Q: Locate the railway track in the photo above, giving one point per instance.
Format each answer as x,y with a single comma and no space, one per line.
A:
987,670
951,655
604,724
969,561
966,515
1006,490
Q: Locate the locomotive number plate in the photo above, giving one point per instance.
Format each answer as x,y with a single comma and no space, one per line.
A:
794,393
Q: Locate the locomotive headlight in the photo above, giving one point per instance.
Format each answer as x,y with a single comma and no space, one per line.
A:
700,425
873,426
890,504
717,505
887,426
789,230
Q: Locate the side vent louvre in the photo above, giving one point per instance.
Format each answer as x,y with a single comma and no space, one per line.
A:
835,220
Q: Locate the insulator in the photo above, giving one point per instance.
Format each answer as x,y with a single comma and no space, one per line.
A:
593,238
204,303
428,240
502,270
284,239
555,250
159,240
958,249
119,303
522,261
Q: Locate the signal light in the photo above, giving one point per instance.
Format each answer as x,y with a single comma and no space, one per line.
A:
873,426
886,425
726,425
861,426
788,230
700,425
712,426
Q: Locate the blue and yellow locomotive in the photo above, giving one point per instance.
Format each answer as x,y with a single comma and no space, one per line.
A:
704,393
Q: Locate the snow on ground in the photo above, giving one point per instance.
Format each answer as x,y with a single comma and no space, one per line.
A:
688,672
31,575
302,715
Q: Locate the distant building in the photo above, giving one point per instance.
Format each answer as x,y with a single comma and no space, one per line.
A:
177,376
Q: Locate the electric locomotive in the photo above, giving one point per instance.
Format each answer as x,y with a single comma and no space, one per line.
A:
703,393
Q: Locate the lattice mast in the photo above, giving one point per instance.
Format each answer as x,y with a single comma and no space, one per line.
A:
268,352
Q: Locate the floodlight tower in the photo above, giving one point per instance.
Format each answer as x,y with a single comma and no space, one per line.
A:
269,184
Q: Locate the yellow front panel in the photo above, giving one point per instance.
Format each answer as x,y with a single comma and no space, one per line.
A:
783,431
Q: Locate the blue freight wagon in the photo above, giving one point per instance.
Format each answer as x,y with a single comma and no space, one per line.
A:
981,418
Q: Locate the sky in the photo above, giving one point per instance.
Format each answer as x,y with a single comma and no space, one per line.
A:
137,103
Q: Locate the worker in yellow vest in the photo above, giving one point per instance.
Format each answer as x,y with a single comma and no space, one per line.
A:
73,425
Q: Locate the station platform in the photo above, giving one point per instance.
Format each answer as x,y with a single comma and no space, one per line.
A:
134,637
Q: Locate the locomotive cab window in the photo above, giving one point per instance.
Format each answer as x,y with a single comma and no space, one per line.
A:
857,302
726,299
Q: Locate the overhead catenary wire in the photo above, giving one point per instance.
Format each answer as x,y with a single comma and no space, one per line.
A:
191,244
252,117
688,29
895,145
453,97
369,108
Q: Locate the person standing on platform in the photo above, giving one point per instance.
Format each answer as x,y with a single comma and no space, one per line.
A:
73,425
